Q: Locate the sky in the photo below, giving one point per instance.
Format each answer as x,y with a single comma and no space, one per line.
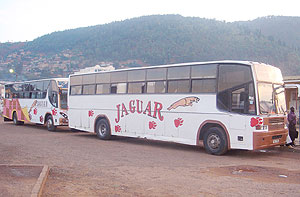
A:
25,20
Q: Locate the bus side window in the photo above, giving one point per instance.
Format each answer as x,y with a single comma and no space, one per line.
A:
235,87
53,99
118,88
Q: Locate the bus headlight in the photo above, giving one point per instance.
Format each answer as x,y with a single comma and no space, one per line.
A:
261,127
64,115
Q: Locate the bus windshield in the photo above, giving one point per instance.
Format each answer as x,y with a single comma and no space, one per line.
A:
271,98
271,92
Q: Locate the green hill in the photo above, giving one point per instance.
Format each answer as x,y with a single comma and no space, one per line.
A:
153,40
285,29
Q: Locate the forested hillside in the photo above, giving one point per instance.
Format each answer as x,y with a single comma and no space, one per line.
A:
284,29
152,40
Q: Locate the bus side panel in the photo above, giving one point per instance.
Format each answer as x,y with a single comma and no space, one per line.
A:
240,131
75,118
174,118
7,109
170,117
13,105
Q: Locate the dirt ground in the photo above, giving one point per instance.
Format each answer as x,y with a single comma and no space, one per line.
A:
21,177
82,165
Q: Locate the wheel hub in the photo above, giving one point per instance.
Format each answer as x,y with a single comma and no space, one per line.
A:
102,129
214,141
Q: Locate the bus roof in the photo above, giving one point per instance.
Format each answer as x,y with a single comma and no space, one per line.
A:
171,65
37,80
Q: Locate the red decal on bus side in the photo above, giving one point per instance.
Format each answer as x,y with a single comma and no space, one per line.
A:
54,112
35,111
117,128
256,121
178,122
91,113
41,119
152,125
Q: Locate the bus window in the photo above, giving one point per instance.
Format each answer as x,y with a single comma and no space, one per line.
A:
103,78
34,95
38,86
156,87
76,80
53,93
89,89
103,89
53,99
88,79
154,74
179,86
117,77
136,88
204,71
179,72
204,85
63,99
235,89
27,94
30,87
76,90
46,85
118,88
136,75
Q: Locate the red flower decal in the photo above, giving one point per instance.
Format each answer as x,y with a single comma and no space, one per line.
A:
91,113
54,112
41,119
178,122
152,125
117,128
256,121
35,111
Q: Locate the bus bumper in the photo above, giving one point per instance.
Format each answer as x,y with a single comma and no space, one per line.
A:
262,140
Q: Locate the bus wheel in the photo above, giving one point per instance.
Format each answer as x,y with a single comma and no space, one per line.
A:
6,119
50,124
15,119
103,129
215,141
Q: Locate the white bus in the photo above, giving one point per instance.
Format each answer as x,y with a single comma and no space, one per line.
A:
224,104
39,101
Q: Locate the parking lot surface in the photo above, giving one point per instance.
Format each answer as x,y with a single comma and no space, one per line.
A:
82,165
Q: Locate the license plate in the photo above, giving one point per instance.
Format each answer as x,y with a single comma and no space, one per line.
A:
275,141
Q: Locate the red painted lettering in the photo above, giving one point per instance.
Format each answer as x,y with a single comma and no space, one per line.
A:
157,108
131,106
124,110
139,106
148,108
118,114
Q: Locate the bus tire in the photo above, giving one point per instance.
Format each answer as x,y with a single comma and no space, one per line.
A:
6,119
215,141
103,129
50,124
15,119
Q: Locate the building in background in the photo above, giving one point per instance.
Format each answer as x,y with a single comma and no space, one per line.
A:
292,92
105,66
